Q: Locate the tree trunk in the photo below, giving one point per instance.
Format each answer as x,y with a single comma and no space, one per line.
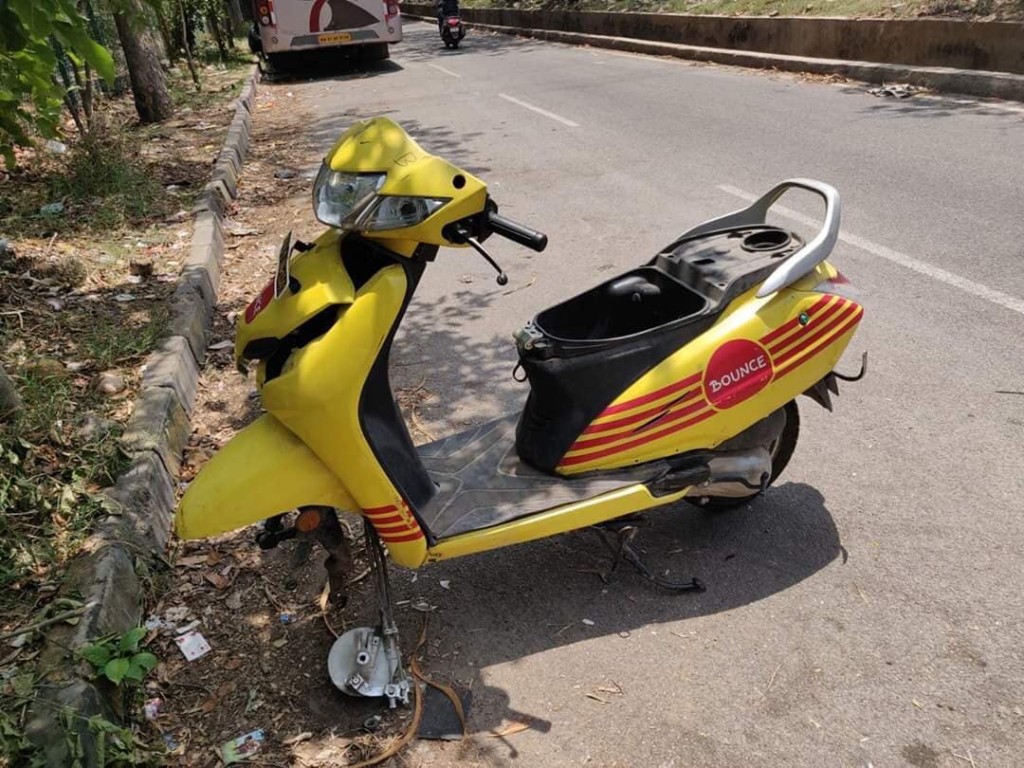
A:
10,402
234,8
218,34
186,35
152,99
166,33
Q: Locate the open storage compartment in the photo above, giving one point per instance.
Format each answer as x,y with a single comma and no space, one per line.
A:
605,313
581,354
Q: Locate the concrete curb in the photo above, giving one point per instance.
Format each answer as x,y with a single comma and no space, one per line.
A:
112,576
964,81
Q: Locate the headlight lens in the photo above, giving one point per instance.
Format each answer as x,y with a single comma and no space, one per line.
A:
339,198
398,212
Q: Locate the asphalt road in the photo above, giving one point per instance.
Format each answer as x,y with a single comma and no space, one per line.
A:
868,611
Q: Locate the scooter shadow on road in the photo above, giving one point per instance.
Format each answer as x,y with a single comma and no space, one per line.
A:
505,606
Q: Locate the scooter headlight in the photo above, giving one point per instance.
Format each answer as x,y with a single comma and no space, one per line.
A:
340,198
398,212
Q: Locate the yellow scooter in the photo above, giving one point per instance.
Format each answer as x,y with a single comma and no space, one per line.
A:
676,380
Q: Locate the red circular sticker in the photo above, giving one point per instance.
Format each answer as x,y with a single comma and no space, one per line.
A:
738,370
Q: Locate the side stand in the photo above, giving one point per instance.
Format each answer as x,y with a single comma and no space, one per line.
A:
367,661
618,537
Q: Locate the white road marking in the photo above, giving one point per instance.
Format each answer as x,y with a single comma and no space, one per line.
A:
539,111
1005,300
439,68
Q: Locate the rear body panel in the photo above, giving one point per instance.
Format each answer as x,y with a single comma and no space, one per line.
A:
298,25
758,356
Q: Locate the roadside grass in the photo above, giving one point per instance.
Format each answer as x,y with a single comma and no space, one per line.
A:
1006,10
84,296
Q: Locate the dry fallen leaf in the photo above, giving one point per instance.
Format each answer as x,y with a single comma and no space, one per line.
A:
232,664
217,580
192,561
510,729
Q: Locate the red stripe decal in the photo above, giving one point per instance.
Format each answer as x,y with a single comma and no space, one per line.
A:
380,510
786,327
314,15
416,535
388,520
846,328
566,462
393,527
812,329
672,416
817,336
650,398
639,417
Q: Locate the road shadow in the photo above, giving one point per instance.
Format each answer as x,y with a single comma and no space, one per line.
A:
928,106
437,138
322,65
507,605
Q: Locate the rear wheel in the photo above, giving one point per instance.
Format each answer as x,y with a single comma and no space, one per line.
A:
781,451
455,43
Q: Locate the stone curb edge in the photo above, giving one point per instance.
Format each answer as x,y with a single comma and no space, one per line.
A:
946,79
112,576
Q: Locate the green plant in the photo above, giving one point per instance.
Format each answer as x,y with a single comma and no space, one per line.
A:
30,96
104,174
117,746
113,339
119,658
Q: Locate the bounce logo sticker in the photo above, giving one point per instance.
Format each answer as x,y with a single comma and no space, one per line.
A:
738,370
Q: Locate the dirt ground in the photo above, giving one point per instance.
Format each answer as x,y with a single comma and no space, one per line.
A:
85,277
261,610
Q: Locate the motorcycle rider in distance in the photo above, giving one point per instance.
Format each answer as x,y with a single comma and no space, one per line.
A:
446,9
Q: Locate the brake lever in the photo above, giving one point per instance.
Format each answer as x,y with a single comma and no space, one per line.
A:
502,278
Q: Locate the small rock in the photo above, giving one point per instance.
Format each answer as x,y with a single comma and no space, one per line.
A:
52,209
47,367
773,13
75,366
285,173
141,268
109,383
588,622
124,297
56,147
55,304
91,428
5,248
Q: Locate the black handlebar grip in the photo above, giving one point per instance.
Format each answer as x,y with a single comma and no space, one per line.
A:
517,233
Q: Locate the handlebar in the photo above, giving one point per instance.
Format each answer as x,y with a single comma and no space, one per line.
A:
517,233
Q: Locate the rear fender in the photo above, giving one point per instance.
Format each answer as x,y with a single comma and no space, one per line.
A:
263,471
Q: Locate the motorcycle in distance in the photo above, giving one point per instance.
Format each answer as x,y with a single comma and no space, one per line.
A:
450,23
676,380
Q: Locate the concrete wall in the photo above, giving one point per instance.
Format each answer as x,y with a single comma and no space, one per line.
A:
982,45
